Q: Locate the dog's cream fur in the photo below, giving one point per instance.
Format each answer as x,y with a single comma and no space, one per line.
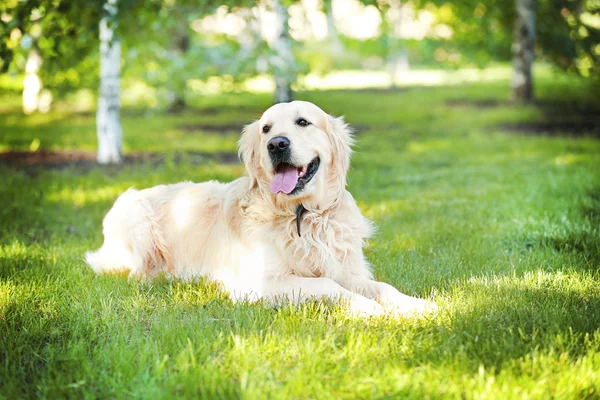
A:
242,235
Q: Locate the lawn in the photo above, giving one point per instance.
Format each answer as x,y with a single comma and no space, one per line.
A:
491,209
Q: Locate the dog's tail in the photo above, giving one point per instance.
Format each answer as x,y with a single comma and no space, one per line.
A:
109,259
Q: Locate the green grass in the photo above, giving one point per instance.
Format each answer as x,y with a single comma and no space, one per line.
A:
501,229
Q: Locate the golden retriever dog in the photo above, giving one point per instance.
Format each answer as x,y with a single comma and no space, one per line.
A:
288,231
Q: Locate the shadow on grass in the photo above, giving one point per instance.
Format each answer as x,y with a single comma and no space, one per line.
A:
559,118
583,240
529,311
582,243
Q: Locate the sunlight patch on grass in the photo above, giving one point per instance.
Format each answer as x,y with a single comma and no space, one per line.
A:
527,292
432,198
13,249
567,159
405,242
428,146
6,294
79,197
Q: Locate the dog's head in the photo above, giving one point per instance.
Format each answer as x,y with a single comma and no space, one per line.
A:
297,151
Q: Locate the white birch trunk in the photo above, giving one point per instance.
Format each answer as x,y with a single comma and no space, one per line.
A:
332,32
386,37
108,121
523,51
32,84
395,60
337,47
283,60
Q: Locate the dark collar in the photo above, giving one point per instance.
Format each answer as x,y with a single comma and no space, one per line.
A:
299,211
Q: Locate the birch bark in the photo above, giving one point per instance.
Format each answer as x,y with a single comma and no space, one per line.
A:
108,121
332,32
32,84
283,61
523,51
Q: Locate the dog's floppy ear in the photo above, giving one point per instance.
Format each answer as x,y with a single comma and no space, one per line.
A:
340,136
248,151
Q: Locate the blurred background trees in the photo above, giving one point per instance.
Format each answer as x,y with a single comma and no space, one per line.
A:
173,49
564,33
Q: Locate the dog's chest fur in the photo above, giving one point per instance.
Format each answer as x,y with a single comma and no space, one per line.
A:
329,239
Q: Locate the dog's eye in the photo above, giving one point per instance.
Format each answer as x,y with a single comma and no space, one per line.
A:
302,122
266,128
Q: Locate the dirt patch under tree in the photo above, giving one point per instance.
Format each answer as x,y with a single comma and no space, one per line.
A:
85,159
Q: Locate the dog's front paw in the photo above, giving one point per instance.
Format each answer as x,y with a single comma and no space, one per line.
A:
409,306
363,307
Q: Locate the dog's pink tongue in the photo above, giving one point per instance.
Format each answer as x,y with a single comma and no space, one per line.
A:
285,179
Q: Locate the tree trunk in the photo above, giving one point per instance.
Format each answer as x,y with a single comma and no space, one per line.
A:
108,121
523,51
386,41
396,60
180,45
32,84
283,61
332,32
396,64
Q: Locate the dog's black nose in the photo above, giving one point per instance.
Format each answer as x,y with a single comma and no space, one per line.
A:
278,145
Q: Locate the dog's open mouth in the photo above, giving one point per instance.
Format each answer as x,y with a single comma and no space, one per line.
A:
290,179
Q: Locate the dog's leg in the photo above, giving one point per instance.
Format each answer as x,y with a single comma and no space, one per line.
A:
358,278
298,289
390,297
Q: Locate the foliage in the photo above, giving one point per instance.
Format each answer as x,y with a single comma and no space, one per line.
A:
502,230
567,32
570,37
170,52
66,35
63,32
